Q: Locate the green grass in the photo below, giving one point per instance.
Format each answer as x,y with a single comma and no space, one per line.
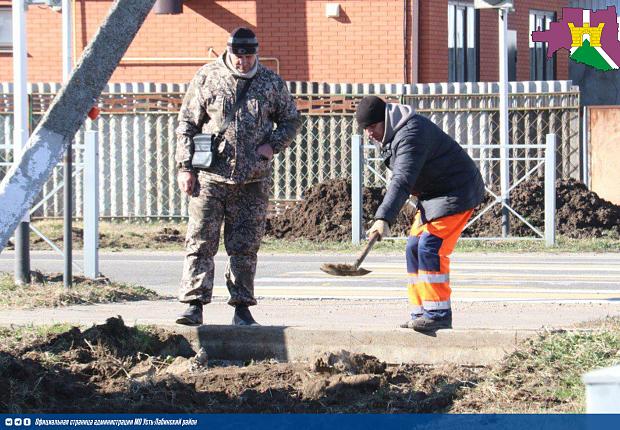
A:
464,245
11,337
44,292
544,373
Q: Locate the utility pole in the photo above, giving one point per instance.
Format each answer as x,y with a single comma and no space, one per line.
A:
20,132
67,276
503,8
504,168
24,181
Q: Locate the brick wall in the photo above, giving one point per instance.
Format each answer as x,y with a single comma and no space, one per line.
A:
365,44
433,40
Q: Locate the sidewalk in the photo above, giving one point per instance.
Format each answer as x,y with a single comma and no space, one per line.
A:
298,329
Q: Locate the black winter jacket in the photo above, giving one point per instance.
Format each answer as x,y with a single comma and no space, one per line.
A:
429,164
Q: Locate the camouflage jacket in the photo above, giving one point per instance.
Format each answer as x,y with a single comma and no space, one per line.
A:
209,98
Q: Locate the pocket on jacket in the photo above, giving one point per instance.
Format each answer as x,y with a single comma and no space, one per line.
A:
215,110
254,111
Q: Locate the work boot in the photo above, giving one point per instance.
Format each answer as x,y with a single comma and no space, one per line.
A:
409,324
192,315
425,324
243,317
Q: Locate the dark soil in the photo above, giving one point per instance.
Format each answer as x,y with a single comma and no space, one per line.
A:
169,234
115,368
112,368
325,213
580,213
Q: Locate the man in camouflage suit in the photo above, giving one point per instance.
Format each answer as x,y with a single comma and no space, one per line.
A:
235,189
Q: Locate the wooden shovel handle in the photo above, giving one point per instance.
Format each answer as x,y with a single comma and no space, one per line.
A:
366,250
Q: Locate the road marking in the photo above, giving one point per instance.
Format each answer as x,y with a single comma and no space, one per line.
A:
454,277
456,280
463,294
477,288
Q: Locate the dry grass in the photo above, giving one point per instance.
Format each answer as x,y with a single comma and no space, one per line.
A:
544,374
48,291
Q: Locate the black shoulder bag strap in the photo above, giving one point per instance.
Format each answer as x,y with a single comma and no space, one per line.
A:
234,109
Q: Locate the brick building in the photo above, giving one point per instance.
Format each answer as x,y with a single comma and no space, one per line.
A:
391,41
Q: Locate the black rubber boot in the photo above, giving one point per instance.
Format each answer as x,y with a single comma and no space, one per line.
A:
192,315
243,317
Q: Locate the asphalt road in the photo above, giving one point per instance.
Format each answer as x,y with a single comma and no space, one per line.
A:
475,277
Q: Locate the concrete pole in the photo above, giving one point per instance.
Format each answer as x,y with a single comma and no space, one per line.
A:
67,276
20,132
357,181
50,139
503,118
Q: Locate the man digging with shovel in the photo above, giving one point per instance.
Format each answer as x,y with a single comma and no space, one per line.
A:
429,164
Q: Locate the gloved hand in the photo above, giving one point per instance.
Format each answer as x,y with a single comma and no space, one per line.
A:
381,227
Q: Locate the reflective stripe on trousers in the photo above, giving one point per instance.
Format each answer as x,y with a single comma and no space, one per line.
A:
428,264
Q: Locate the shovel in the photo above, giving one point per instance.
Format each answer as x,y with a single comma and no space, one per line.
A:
351,269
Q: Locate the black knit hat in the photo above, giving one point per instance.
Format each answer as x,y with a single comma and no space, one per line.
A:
242,41
371,110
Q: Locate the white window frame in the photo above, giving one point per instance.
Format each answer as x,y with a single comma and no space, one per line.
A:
541,67
6,19
463,46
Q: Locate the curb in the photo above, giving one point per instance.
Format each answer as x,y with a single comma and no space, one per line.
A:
461,347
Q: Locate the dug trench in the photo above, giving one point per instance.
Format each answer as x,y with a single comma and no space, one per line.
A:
114,368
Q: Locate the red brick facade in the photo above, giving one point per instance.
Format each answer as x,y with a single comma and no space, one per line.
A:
369,42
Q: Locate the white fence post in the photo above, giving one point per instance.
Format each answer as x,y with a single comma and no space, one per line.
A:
91,204
550,190
357,182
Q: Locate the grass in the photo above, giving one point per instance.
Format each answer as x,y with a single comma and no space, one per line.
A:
169,236
48,291
11,337
544,373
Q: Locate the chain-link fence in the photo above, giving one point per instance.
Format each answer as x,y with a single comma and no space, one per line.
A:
137,140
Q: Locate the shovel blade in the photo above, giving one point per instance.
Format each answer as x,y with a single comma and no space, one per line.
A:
343,270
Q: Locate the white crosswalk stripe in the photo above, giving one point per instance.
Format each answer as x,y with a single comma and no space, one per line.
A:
533,281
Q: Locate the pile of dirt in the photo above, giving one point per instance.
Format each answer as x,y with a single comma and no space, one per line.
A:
169,235
325,213
120,369
580,213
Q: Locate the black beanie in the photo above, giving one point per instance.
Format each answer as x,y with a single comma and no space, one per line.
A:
242,41
371,110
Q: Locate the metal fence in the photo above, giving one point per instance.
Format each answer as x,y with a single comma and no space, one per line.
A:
136,128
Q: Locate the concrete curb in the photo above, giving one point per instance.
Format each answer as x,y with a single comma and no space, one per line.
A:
462,347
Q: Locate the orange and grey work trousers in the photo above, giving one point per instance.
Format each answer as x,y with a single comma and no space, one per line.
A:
428,264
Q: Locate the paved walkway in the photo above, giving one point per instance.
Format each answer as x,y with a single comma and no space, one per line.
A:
497,299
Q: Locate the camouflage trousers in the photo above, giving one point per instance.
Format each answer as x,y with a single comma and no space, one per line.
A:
243,210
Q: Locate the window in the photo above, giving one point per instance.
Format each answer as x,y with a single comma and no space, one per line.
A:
6,29
462,42
541,67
